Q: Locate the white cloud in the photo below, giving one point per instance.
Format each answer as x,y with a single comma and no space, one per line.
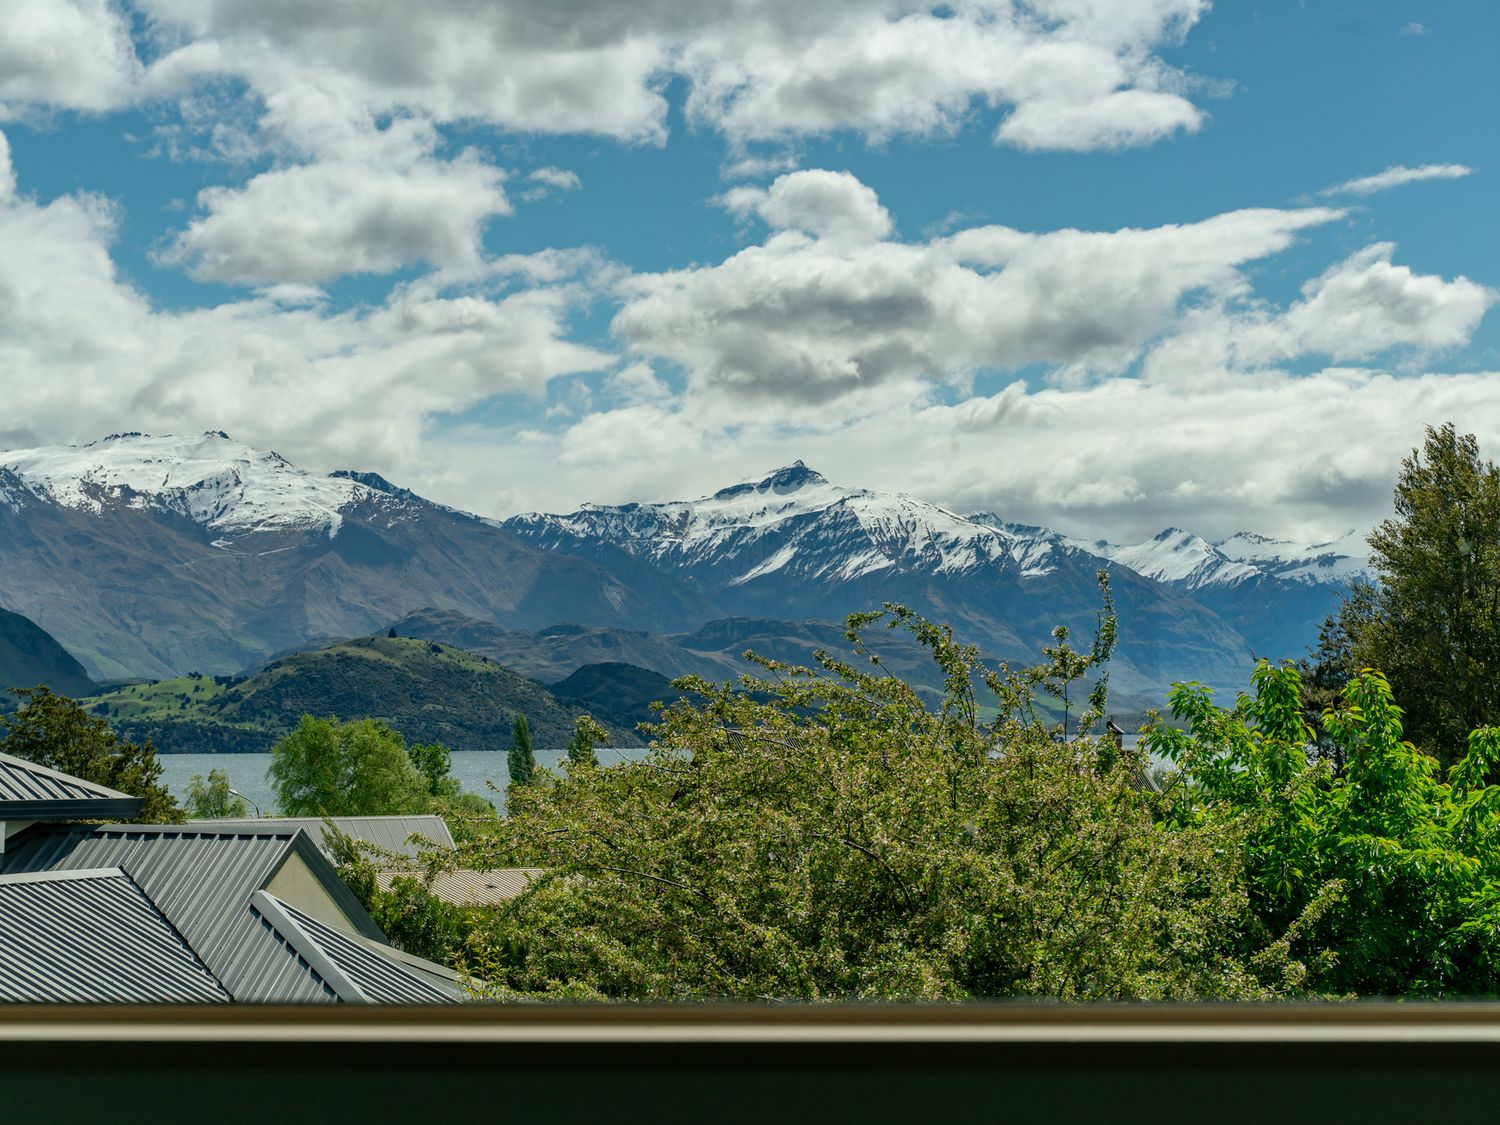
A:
1077,74
814,318
1307,456
7,170
85,354
378,201
1414,28
70,54
1357,310
832,205
1396,176
560,178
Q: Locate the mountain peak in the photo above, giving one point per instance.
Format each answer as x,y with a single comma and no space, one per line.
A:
789,478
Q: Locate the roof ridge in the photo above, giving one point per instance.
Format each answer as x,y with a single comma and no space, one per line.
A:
57,775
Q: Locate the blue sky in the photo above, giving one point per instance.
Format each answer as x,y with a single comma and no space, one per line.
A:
1106,266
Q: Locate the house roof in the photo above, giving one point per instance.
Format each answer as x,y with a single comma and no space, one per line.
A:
93,936
353,972
389,833
203,880
32,792
470,888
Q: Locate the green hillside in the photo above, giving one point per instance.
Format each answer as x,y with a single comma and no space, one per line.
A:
429,692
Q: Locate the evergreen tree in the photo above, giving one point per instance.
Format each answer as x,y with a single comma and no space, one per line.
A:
1431,624
522,760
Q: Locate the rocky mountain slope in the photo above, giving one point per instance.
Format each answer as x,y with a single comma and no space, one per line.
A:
157,556
29,656
794,546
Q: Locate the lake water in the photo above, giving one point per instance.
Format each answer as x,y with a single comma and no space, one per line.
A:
247,772
474,769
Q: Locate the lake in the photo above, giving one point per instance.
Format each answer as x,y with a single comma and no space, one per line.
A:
247,772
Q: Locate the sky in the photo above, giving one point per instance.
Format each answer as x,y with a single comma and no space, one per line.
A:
1102,265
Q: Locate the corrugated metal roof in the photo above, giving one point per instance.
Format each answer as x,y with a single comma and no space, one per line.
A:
389,833
470,888
202,880
93,937
353,970
32,792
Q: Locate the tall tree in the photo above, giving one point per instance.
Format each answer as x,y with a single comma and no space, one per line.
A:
53,731
522,760
360,768
211,797
1433,624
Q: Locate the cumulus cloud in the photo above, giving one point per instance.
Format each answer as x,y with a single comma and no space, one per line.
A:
85,353
1076,74
1359,309
826,204
378,201
1298,455
1396,176
811,317
69,54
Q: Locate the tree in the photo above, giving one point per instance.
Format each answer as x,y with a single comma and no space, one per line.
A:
522,759
587,734
434,761
53,731
1434,628
211,798
359,768
821,833
1381,880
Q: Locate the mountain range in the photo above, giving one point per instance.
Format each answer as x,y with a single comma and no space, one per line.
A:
148,557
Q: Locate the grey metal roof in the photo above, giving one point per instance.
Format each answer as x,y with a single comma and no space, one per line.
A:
389,833
202,879
32,792
93,936
352,970
470,888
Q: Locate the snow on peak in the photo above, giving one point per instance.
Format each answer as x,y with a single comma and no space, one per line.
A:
212,479
795,520
1177,556
1338,560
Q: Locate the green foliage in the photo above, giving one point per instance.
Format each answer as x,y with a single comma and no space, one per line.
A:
824,834
587,734
1433,622
434,762
211,797
415,920
360,768
429,692
522,759
1382,879
53,731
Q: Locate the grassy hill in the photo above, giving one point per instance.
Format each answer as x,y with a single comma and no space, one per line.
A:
429,692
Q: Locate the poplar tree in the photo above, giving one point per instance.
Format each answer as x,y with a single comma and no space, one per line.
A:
522,760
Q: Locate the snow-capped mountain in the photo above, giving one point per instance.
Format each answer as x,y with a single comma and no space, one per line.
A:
211,479
794,522
157,555
1337,562
150,556
1275,592
792,545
